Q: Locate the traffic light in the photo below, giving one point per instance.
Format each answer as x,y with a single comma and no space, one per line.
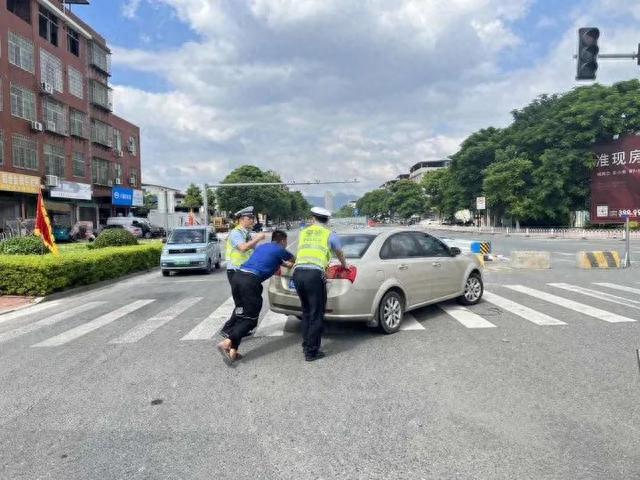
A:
587,53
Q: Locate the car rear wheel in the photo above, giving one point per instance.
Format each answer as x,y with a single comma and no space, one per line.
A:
209,268
473,290
390,312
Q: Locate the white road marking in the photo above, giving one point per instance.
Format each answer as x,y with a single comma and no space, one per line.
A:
615,286
271,325
206,329
466,317
46,322
150,325
571,305
28,311
607,297
525,312
409,322
95,324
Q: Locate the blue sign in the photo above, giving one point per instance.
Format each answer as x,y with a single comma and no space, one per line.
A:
122,196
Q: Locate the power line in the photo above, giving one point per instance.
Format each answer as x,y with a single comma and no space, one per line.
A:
267,184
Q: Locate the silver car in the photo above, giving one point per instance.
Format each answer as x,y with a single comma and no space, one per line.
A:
191,248
395,271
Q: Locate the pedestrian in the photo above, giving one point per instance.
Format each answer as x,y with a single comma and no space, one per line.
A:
315,246
246,285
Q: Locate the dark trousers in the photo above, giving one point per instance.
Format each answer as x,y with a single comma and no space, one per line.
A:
311,286
246,289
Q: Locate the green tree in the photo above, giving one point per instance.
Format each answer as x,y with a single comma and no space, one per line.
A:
507,185
193,197
346,211
407,199
439,187
374,203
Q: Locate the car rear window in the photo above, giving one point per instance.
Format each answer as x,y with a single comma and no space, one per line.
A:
355,245
188,236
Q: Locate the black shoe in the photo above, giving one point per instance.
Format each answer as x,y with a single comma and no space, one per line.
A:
318,355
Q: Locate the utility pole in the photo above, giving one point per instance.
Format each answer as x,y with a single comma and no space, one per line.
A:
205,200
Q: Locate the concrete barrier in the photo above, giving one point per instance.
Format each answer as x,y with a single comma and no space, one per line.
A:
599,259
530,259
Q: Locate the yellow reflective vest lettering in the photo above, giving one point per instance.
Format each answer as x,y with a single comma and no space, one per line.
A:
314,246
235,257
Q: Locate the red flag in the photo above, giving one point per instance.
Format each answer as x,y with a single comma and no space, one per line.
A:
43,226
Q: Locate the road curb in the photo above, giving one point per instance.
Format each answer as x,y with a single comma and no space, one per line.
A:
95,286
36,301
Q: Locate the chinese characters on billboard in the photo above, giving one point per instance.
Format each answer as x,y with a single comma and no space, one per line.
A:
615,181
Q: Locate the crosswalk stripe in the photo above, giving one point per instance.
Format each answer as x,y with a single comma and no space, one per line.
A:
571,305
271,325
46,322
28,311
94,324
150,325
409,322
597,294
525,312
465,316
622,288
206,329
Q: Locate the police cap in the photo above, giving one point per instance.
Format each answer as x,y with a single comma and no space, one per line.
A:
245,212
320,212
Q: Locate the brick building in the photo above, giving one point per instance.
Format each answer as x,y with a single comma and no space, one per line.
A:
57,128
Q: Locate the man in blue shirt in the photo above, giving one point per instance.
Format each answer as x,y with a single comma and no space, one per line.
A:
246,285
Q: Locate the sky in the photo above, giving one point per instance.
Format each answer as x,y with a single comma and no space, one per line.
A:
338,89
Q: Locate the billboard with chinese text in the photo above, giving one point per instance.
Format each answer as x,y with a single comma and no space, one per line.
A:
615,181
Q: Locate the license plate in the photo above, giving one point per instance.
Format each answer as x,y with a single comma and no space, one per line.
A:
292,286
181,262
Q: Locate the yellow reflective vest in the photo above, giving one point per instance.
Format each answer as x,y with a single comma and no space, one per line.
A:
235,257
314,247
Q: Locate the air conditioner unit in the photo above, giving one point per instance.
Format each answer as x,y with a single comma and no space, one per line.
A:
47,88
117,181
110,183
51,126
132,180
36,126
130,148
52,181
119,153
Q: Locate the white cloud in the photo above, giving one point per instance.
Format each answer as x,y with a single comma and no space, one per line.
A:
130,8
338,88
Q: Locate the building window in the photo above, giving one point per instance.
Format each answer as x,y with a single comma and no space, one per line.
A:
21,52
78,123
48,26
51,70
76,87
73,41
100,58
101,95
55,116
21,8
25,152
100,171
1,147
132,145
101,133
133,177
54,160
23,103
117,137
79,165
118,174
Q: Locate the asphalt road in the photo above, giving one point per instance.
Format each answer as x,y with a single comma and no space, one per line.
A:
124,383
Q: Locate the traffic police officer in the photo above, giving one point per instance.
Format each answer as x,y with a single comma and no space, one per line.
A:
309,276
241,242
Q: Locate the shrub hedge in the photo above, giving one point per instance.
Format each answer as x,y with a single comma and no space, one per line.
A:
114,237
42,275
29,245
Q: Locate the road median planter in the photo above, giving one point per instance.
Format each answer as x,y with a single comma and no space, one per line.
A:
45,274
599,259
531,259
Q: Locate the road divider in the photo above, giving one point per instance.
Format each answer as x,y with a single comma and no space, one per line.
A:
531,259
599,259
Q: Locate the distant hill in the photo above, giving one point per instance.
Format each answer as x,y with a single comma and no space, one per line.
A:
339,200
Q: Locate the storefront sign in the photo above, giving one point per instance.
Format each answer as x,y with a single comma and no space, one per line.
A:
16,182
615,181
122,196
138,198
77,191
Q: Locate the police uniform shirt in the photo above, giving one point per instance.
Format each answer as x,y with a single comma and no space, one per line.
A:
238,237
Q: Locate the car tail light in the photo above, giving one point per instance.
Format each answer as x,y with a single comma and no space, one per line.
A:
336,272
